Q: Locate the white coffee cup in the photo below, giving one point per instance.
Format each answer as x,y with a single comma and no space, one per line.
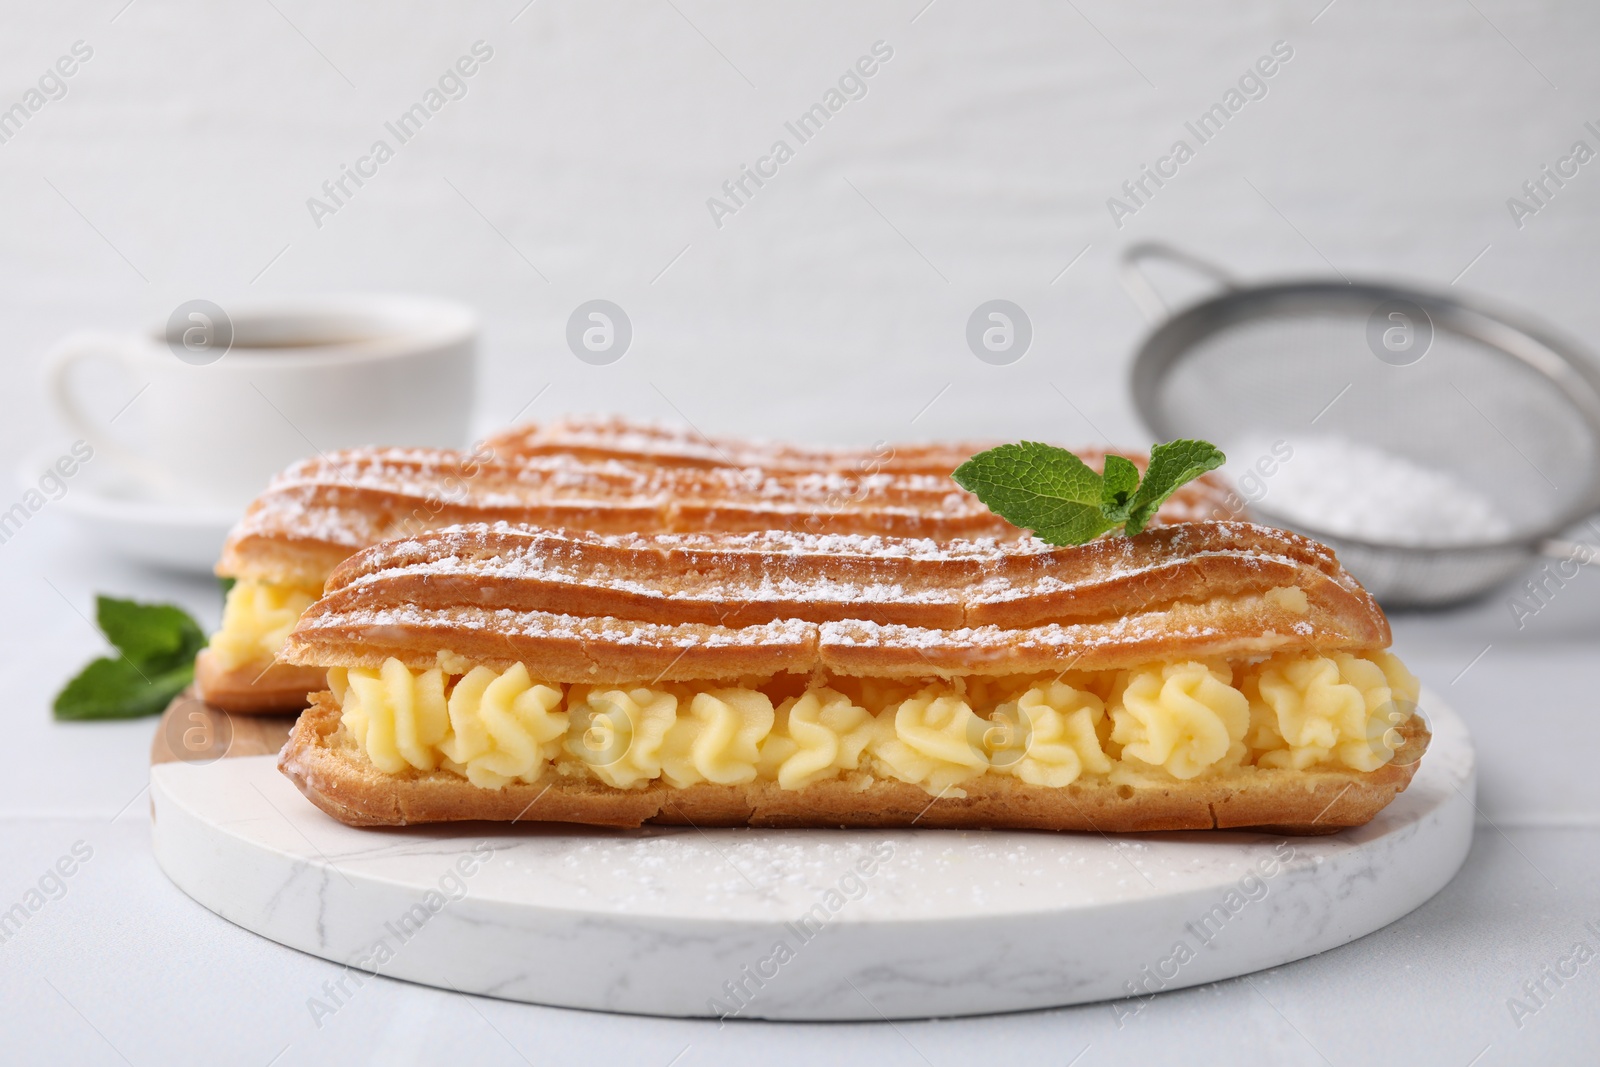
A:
226,399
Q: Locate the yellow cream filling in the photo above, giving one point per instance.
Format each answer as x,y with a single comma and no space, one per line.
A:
1184,717
256,620
1181,720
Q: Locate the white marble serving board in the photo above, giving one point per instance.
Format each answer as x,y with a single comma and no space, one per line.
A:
685,922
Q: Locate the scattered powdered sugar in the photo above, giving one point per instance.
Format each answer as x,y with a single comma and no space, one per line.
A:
1347,488
798,570
416,617
358,497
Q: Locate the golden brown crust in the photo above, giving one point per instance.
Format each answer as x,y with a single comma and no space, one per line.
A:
322,510
741,581
253,689
614,437
332,507
324,762
581,608
611,437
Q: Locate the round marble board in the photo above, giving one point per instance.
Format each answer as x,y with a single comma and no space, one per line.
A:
799,924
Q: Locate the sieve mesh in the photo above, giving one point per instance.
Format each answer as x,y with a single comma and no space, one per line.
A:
1465,408
1502,408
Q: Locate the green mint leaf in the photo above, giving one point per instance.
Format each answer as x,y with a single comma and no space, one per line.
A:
1075,527
227,585
1116,497
1056,495
157,645
115,689
1038,487
153,637
1171,465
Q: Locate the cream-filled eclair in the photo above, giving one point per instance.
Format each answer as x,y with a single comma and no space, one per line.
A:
1195,676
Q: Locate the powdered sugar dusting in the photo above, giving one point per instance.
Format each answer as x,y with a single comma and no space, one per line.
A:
839,594
360,497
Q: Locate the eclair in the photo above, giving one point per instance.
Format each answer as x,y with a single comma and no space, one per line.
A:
1197,676
320,511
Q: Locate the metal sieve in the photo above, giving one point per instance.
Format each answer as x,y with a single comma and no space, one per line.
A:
1445,382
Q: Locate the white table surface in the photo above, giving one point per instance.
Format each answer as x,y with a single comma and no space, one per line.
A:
830,309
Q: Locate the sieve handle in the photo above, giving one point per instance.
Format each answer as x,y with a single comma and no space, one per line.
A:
1144,292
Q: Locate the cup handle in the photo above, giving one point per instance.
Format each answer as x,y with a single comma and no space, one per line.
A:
80,348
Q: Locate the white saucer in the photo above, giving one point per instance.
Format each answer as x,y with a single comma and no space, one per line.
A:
904,923
114,512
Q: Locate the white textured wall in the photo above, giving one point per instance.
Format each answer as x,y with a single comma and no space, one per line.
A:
592,139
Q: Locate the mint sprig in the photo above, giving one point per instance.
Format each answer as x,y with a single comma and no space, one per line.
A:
156,643
1055,494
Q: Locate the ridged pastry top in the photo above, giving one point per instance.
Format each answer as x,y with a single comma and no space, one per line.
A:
360,497
321,510
589,608
613,437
